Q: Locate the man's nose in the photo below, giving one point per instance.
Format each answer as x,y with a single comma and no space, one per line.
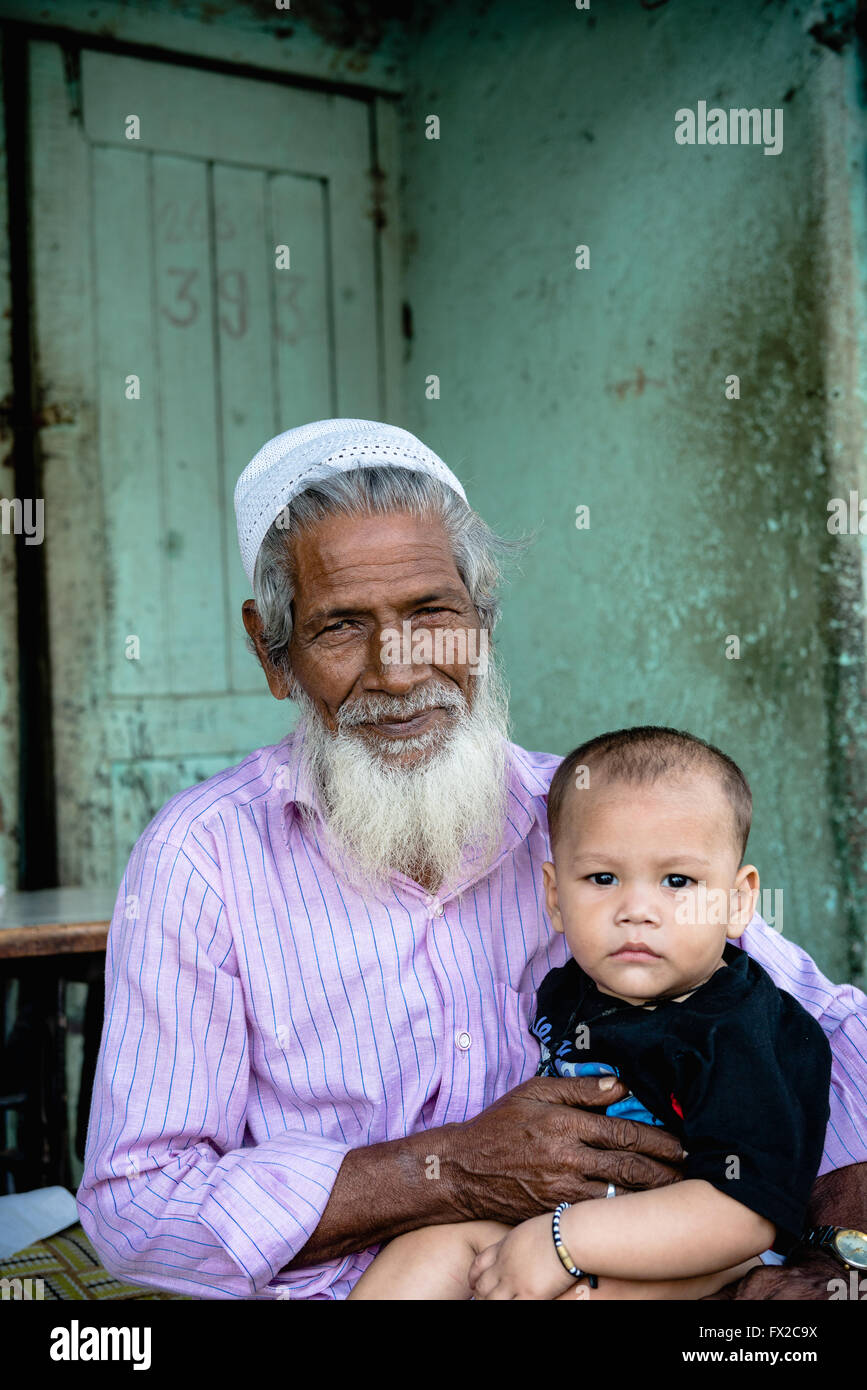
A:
390,668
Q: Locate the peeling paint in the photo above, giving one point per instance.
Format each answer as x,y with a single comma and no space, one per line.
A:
836,28
356,27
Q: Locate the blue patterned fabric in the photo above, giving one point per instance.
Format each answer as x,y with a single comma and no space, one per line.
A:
630,1107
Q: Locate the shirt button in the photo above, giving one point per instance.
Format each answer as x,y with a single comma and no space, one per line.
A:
438,910
463,1041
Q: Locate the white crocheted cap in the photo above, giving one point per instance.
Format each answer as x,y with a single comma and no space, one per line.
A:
291,461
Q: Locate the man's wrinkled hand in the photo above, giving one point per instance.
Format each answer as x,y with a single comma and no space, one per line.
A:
543,1143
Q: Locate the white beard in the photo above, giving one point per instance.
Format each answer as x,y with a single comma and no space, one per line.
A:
382,818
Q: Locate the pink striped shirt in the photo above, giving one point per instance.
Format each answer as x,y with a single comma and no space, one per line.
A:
262,1018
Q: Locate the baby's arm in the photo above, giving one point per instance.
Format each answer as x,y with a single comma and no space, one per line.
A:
610,1290
433,1264
676,1232
666,1233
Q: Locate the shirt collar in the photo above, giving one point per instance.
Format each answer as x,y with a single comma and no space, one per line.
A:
292,780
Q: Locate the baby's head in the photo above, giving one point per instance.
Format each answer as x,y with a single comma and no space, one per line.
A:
648,832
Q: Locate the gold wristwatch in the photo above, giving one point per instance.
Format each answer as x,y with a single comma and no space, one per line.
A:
846,1245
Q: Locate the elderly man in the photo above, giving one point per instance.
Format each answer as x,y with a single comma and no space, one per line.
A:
322,961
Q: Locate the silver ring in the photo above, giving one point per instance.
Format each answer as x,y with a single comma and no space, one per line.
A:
612,1190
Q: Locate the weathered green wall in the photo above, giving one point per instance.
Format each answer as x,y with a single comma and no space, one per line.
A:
605,387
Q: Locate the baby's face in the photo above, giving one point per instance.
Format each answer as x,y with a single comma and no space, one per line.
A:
624,886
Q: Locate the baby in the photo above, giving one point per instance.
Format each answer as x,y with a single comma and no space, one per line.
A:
648,830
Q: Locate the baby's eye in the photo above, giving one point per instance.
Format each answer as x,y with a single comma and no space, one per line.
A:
603,880
677,880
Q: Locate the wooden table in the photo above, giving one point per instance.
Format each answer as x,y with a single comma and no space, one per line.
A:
46,939
56,921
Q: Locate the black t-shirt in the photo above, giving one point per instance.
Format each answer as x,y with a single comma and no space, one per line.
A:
739,1071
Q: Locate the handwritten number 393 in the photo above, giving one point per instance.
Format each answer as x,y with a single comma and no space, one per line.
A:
231,290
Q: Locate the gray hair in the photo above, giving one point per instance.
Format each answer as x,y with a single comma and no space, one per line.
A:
477,550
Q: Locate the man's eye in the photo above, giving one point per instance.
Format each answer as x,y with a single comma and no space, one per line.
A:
677,880
603,880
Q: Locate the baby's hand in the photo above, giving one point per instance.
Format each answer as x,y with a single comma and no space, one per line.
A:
524,1264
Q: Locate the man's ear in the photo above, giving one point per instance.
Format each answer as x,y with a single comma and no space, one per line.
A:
549,877
742,899
279,681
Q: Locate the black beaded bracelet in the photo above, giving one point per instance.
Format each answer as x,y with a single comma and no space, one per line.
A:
563,1253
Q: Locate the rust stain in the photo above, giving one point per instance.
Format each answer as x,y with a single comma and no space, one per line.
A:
54,413
637,384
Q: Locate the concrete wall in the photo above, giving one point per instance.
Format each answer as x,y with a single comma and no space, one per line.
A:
606,387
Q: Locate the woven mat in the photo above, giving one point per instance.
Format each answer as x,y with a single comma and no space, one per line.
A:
69,1267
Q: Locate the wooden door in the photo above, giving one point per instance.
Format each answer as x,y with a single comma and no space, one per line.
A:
170,346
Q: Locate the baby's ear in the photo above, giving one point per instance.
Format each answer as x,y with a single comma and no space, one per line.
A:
549,878
743,898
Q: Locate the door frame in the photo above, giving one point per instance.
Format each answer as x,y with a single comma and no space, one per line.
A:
29,849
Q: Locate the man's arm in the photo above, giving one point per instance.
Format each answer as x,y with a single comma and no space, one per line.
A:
171,1195
534,1147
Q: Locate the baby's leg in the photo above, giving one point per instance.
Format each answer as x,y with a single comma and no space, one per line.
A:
432,1263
